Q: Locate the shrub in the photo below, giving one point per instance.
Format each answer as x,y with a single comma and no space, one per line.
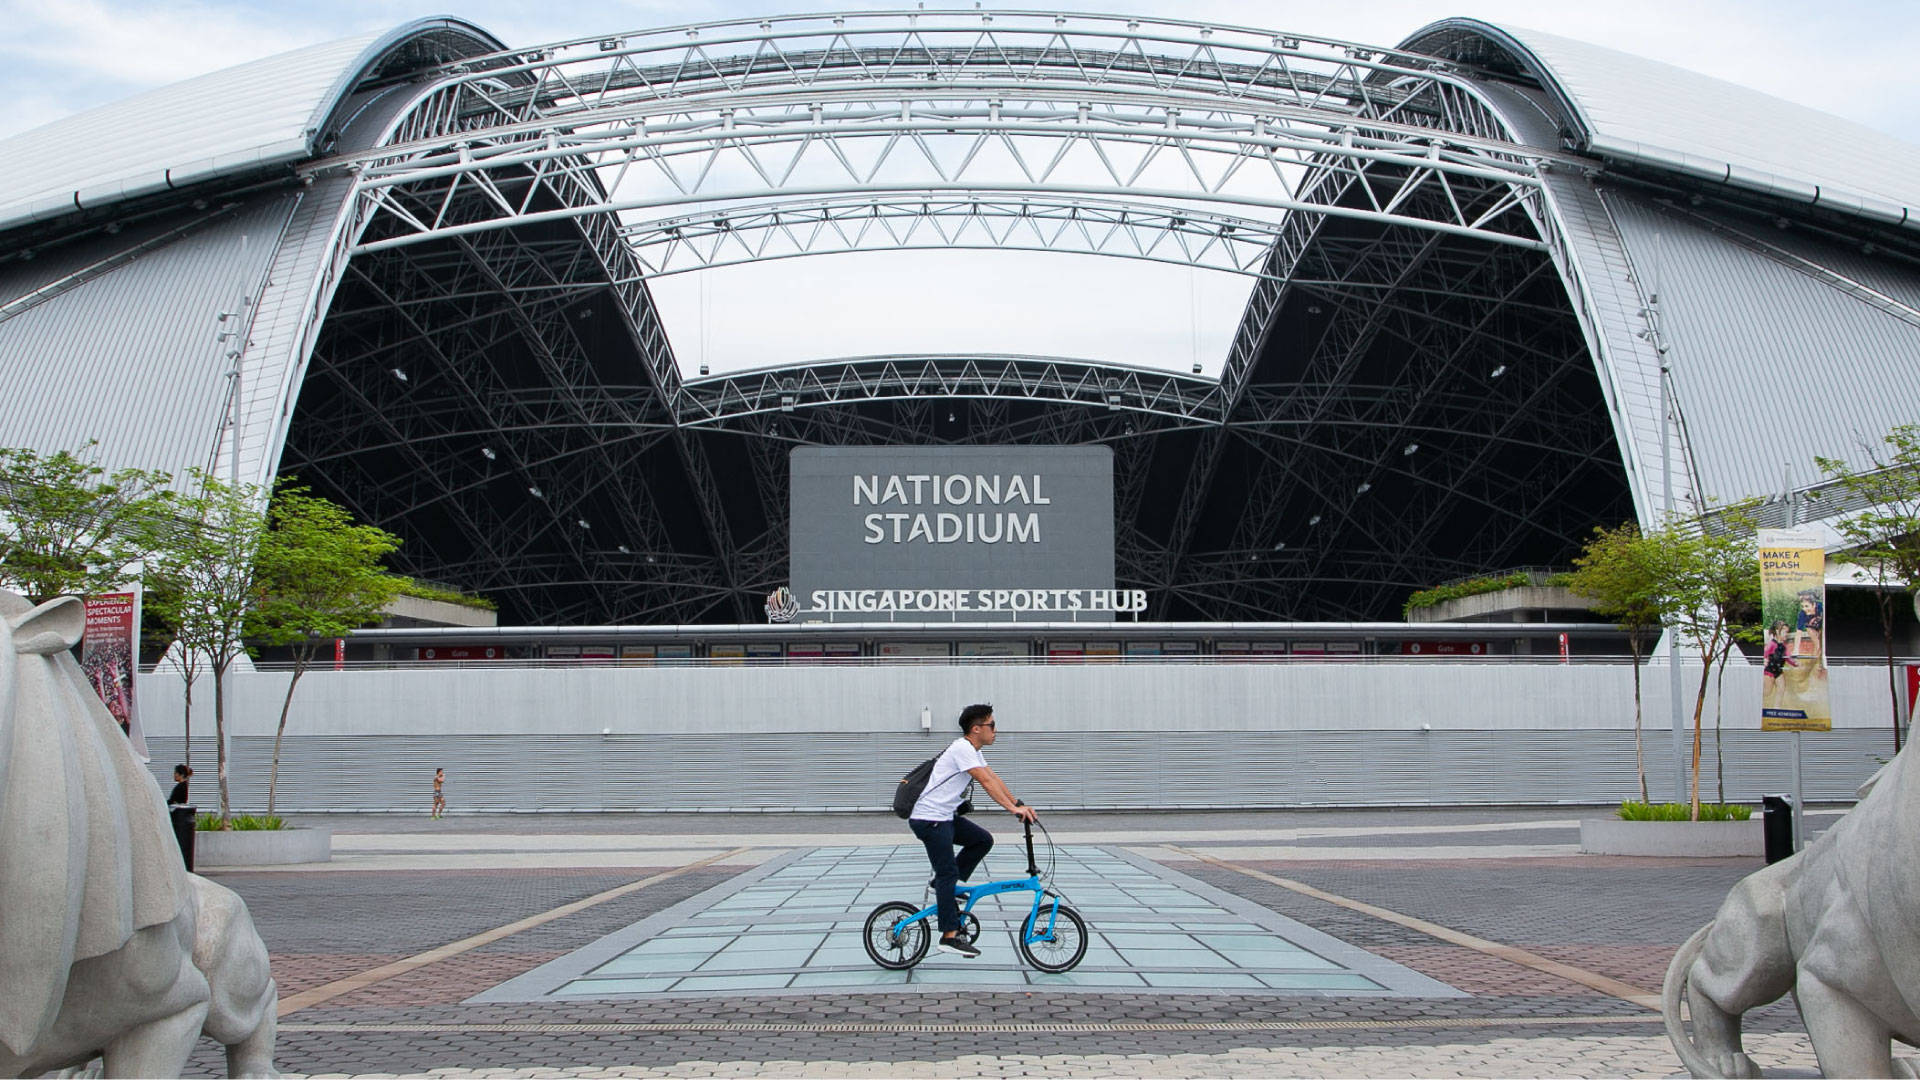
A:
241,823
1678,811
422,590
1426,598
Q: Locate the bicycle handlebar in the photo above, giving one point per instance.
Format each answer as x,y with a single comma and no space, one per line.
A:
1033,867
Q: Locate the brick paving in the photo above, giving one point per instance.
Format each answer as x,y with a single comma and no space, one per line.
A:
1617,917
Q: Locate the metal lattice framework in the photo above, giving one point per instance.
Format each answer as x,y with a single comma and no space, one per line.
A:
494,381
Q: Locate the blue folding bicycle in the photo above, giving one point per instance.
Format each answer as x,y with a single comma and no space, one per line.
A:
1052,937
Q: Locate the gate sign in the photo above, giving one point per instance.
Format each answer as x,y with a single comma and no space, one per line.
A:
954,534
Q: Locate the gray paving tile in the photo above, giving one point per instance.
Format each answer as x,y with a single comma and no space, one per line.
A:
1145,922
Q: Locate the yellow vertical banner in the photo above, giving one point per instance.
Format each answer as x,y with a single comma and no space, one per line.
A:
1793,618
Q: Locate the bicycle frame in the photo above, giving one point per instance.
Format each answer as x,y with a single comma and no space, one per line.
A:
972,894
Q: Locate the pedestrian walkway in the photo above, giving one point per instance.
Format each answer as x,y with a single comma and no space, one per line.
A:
796,924
519,945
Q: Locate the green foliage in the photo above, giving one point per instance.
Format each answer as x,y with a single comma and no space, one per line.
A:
239,823
205,584
1679,811
1618,572
317,576
423,591
1440,594
1698,577
1883,535
68,527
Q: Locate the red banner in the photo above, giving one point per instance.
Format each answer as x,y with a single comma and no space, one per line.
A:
460,652
1444,648
108,653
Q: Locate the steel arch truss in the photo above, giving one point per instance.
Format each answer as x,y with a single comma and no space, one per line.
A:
731,236
494,383
1165,399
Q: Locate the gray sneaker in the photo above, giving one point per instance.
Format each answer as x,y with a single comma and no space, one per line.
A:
958,947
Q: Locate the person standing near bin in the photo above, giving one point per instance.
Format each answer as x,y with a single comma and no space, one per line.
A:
937,825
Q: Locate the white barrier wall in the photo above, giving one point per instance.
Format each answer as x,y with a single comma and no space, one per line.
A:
1133,734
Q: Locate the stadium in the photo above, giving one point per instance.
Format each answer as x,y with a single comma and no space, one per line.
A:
1501,287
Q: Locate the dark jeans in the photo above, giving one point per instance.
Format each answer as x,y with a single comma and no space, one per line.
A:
941,837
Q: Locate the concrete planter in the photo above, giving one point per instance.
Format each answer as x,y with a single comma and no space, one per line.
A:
275,847
1695,839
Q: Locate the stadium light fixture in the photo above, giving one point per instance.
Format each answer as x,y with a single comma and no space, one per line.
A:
1364,487
1497,372
487,452
535,491
398,374
1412,449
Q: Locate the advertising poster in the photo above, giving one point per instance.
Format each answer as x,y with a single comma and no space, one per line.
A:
108,651
1793,620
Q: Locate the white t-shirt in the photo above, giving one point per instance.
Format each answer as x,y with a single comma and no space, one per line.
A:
947,786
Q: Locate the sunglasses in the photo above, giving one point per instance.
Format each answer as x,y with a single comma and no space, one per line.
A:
987,724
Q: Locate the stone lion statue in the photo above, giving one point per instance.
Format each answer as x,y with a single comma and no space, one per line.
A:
1837,924
109,949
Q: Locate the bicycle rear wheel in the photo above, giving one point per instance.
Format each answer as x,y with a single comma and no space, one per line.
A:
891,945
1058,950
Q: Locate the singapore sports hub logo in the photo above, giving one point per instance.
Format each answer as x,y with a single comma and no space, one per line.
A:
781,606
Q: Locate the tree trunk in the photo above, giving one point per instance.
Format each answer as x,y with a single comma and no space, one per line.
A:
300,660
1893,685
186,718
1719,701
1699,713
1639,755
220,737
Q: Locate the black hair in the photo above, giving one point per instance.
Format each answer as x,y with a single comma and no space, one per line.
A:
182,770
972,715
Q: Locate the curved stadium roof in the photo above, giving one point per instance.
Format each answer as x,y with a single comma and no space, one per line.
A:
481,392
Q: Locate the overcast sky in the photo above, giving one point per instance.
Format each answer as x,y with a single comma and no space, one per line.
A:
1849,57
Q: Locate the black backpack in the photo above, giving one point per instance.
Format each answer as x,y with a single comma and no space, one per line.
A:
914,784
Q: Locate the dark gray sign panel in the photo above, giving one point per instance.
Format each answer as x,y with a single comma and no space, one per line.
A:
954,533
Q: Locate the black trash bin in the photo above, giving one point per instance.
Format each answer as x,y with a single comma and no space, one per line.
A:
183,822
1776,826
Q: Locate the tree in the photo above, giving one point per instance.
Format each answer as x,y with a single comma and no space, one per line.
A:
1708,585
68,527
206,572
319,577
158,628
1618,572
1883,536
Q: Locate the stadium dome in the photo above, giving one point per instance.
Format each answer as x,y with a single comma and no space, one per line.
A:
1505,287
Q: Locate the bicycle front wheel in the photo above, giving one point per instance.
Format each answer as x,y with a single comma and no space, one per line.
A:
892,945
1056,948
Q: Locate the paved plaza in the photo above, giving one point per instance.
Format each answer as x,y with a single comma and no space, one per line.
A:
1355,943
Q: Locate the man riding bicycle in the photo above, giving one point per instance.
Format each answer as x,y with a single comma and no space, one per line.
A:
935,822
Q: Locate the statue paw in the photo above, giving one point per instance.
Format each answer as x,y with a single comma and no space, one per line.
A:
1736,1066
1906,1067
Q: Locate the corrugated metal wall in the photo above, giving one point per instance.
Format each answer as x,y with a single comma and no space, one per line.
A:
132,358
1146,736
1772,364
